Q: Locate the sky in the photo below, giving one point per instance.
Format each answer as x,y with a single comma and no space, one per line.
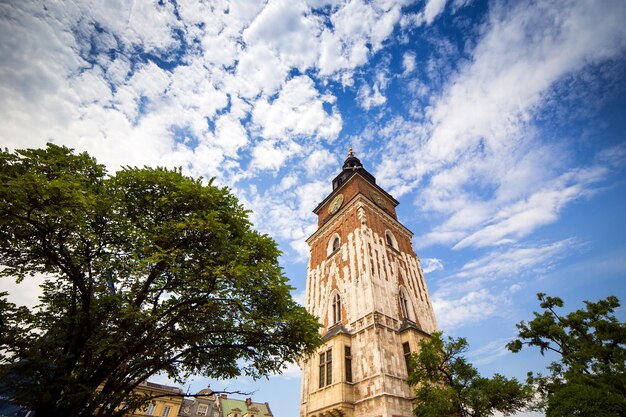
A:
499,126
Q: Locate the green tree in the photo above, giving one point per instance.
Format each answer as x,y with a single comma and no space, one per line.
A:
589,378
447,385
147,271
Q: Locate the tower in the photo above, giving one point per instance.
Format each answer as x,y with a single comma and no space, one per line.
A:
366,285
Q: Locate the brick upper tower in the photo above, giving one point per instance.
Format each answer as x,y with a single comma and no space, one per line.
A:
366,285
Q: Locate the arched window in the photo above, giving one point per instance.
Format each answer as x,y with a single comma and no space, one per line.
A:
404,305
390,239
336,309
333,244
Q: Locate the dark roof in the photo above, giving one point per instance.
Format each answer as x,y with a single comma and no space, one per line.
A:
351,165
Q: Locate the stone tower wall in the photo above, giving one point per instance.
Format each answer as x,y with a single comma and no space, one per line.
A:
368,274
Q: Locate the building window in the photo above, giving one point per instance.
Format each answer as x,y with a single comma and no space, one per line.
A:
391,240
407,356
348,363
404,305
336,309
333,244
166,411
326,368
150,409
202,409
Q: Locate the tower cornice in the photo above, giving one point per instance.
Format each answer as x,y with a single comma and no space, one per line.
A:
338,190
358,199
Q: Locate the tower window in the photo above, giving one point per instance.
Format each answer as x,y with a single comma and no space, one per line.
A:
406,349
390,239
333,244
336,309
326,368
404,305
348,363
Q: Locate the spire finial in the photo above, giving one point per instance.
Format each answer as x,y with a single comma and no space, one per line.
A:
350,153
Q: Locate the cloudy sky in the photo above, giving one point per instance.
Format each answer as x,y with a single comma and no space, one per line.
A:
499,126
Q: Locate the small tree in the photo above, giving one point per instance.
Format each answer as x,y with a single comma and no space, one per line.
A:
589,379
447,385
147,271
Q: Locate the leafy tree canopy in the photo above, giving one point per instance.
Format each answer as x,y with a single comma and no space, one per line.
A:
447,385
146,271
589,379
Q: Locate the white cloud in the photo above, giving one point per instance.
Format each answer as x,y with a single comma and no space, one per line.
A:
478,161
359,28
116,81
319,160
408,63
291,371
483,287
230,135
494,95
489,352
298,110
505,264
369,97
470,307
433,9
431,265
300,297
288,29
269,155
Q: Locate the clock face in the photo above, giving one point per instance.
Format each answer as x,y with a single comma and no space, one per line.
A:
378,199
335,204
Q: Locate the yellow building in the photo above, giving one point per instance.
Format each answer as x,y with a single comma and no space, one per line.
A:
167,404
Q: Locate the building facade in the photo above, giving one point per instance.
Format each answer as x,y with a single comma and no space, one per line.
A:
170,401
366,285
167,403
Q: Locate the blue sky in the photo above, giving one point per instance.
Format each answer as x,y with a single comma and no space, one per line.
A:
499,126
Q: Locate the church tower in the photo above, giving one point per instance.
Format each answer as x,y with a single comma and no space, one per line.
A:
366,285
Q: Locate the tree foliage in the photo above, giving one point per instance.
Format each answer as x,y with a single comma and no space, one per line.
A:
146,271
447,385
589,379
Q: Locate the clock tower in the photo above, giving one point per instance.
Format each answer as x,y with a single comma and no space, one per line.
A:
366,286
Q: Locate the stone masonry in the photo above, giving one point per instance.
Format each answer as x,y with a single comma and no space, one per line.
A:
372,276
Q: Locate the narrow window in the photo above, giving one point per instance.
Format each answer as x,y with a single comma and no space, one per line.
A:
150,410
348,363
329,367
404,305
389,241
407,356
336,309
335,244
322,369
326,368
166,411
